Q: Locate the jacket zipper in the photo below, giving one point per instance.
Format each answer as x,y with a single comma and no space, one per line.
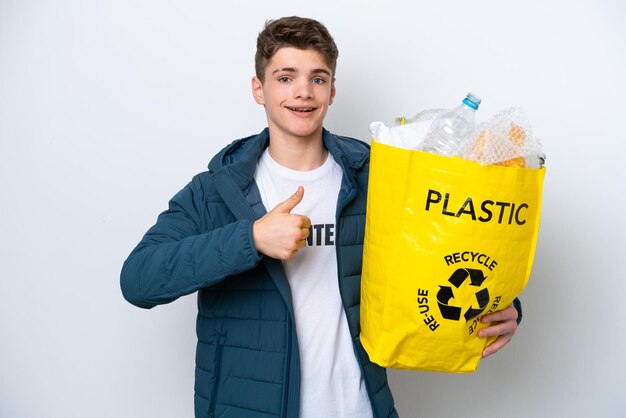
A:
218,366
288,368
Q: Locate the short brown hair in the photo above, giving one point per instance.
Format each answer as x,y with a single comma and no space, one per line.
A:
297,32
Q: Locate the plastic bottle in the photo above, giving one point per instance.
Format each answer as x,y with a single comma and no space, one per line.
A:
451,129
424,115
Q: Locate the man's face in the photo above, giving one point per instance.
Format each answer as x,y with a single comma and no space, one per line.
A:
296,93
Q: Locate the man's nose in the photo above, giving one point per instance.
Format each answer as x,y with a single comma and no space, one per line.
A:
303,89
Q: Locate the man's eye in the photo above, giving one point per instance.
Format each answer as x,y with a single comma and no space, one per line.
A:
283,79
318,80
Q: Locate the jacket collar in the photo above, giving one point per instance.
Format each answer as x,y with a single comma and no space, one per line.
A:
240,158
235,165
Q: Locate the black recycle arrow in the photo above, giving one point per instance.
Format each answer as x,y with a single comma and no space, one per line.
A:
443,297
446,293
482,296
458,277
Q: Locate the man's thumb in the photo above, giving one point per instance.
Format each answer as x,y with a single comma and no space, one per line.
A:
287,205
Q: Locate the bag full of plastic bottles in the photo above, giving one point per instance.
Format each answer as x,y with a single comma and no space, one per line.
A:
449,238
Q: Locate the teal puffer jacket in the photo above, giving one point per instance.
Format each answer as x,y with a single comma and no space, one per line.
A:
247,360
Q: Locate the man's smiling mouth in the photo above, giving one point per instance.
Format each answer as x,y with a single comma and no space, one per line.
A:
301,109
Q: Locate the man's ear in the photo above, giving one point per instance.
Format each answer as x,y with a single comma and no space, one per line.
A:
332,92
257,90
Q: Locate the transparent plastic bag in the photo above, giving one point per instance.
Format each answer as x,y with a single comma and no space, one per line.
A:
506,139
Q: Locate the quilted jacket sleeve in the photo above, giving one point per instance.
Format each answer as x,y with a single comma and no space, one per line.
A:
517,304
175,258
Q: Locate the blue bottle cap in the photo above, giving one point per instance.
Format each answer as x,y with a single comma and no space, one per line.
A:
472,101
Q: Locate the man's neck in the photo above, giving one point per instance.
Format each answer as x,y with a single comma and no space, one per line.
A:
302,154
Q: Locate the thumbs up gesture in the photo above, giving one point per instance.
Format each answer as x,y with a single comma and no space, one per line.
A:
280,234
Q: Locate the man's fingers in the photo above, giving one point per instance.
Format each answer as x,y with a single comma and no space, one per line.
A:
306,222
288,205
494,347
497,329
281,234
508,314
504,325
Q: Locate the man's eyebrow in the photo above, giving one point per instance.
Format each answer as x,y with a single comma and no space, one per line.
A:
286,69
321,71
293,70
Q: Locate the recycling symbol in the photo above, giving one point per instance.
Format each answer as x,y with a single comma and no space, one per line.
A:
446,293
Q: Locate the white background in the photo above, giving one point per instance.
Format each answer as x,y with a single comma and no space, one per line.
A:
108,108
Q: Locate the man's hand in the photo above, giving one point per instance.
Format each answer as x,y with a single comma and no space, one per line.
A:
504,324
280,234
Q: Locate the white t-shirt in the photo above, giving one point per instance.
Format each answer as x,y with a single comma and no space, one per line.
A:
331,381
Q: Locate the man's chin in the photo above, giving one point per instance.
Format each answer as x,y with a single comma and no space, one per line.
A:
305,130
308,132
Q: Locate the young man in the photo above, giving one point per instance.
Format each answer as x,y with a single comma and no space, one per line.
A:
271,238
